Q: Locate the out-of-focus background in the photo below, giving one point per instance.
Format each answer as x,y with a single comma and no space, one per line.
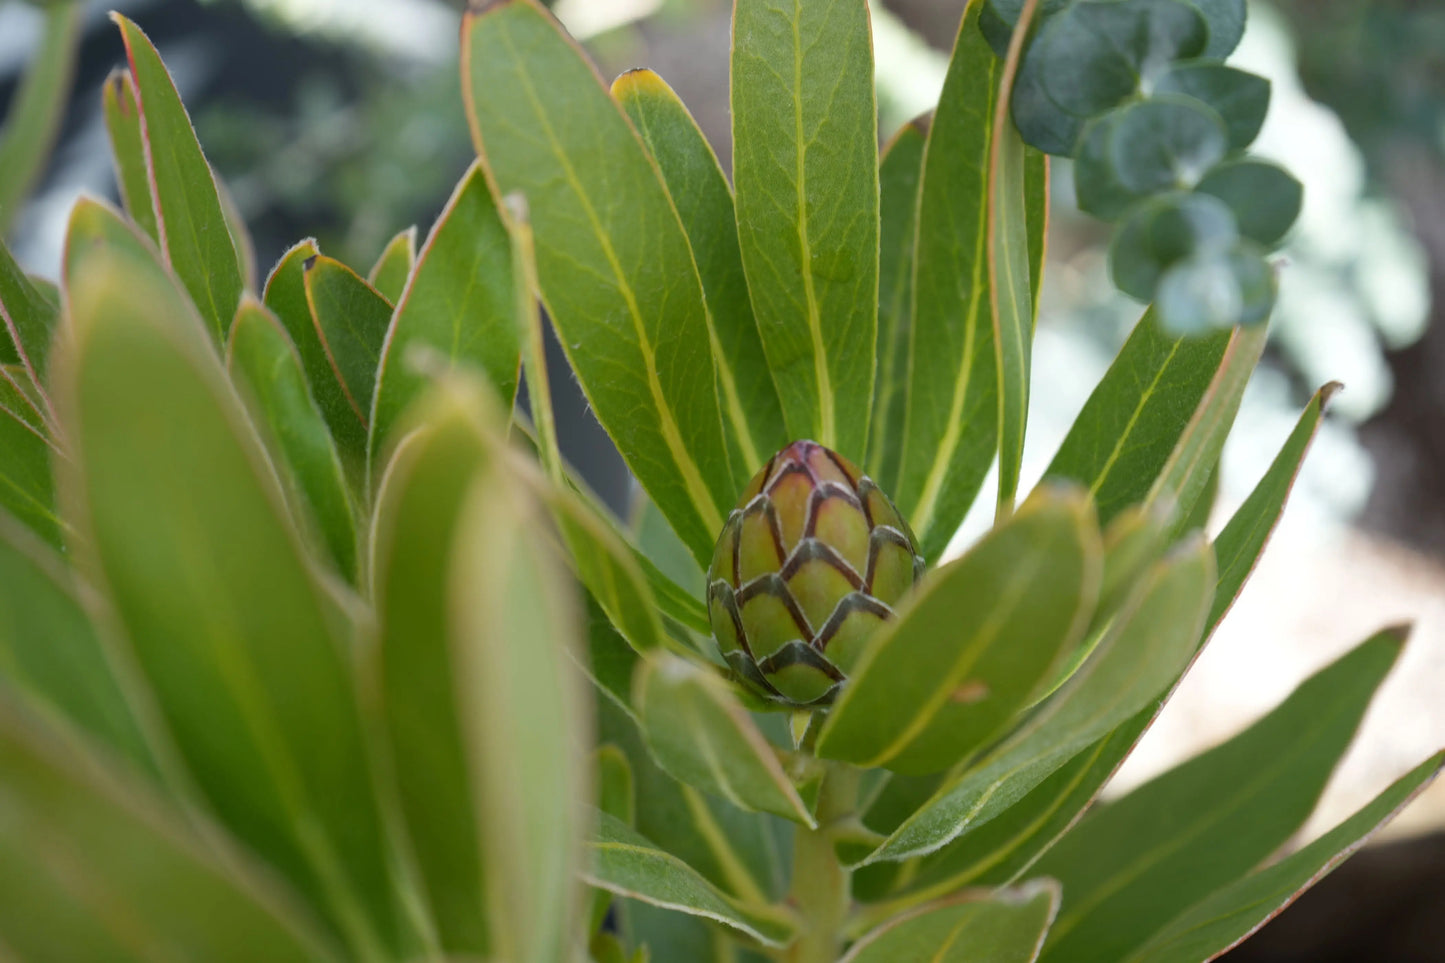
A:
342,119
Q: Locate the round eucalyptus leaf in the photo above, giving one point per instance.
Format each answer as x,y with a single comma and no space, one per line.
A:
1097,51
1265,197
1042,123
1258,285
1198,295
1168,141
1132,262
1164,230
1097,187
997,19
1226,25
1239,97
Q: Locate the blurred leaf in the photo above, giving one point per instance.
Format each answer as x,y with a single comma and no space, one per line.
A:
701,734
1164,230
1002,927
1236,911
461,302
241,238
617,798
191,222
999,17
95,870
351,320
37,107
1167,142
1226,25
50,651
263,363
1130,866
1240,98
29,317
704,202
1143,653
1120,442
242,649
26,488
612,258
805,161
626,863
899,173
1042,123
1264,197
951,427
286,297
127,148
970,645
391,270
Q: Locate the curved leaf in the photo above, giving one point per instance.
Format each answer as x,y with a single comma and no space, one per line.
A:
37,107
351,320
613,261
27,489
805,162
1006,926
392,268
127,147
29,318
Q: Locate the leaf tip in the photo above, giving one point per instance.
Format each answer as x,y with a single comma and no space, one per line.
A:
310,262
1328,391
636,81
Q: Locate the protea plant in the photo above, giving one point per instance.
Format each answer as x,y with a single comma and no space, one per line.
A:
313,648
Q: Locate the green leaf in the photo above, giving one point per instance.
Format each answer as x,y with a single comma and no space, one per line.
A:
1239,97
970,645
37,107
1132,865
805,162
93,867
1164,230
951,426
460,302
628,864
27,490
1236,911
127,147
245,653
240,235
1006,926
1165,143
351,321
1121,441
899,173
1144,651
1010,286
1242,540
190,219
1226,25
1264,197
264,365
391,270
1042,123
1036,205
704,201
29,317
613,261
701,734
285,295
50,650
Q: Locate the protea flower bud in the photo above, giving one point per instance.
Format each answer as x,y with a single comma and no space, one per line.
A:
809,565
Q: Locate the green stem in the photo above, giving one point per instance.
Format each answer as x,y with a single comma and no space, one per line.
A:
822,887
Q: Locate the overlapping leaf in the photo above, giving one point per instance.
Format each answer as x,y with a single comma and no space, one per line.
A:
1006,926
37,107
351,320
127,147
388,275
29,319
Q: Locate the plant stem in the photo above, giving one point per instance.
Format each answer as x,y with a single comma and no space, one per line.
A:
822,887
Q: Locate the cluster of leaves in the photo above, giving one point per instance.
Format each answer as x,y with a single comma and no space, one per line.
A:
1138,94
314,684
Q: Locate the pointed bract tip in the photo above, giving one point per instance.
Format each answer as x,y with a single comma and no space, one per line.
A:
638,79
1328,391
310,262
1399,632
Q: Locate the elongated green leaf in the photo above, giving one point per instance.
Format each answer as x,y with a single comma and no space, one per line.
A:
27,490
50,650
951,426
1243,537
702,735
93,869
285,295
514,632
626,863
29,318
1234,912
613,261
805,161
899,172
972,644
37,107
1132,865
704,202
617,797
241,239
460,302
264,364
388,275
351,320
1006,926
243,651
1122,440
190,220
127,147
1141,656
1036,204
